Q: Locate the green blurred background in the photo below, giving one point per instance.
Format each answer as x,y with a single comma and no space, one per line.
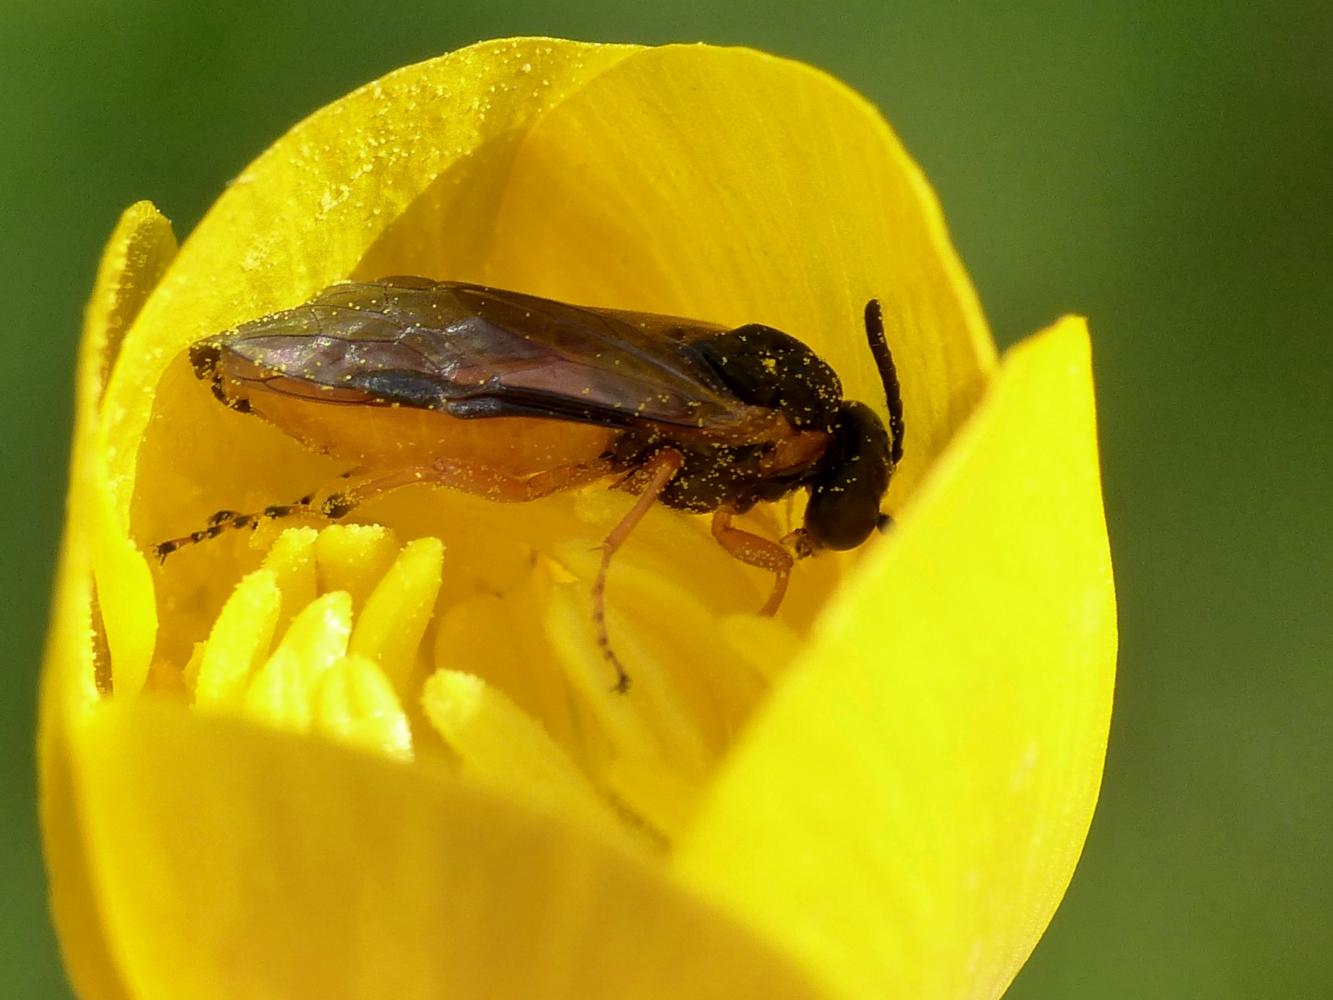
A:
1166,169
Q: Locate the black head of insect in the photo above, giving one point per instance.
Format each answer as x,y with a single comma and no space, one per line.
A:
851,480
768,368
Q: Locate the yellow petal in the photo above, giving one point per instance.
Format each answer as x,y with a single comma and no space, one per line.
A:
907,810
548,166
261,864
135,257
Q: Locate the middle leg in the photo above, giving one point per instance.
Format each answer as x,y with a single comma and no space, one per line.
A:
656,473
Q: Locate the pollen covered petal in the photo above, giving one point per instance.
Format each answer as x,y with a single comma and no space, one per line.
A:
135,257
906,810
314,870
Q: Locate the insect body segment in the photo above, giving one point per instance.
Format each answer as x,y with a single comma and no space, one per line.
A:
511,396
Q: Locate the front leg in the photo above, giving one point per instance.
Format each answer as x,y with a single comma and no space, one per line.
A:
754,550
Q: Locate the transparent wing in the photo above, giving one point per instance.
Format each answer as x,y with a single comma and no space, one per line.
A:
472,351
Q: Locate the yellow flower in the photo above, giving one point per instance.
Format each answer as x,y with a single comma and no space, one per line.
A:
381,760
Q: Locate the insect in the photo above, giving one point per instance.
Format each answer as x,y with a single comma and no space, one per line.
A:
514,397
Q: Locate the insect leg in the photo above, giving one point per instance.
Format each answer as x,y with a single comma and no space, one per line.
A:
505,488
755,551
342,501
657,472
334,506
225,519
465,478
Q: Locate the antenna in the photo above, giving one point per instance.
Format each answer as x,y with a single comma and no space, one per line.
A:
888,374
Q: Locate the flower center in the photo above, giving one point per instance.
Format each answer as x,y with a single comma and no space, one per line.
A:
490,662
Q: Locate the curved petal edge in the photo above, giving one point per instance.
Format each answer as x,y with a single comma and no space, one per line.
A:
908,809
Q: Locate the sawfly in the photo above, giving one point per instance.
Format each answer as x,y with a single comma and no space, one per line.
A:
513,397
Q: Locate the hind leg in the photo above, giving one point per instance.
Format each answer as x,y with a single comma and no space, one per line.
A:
224,520
340,500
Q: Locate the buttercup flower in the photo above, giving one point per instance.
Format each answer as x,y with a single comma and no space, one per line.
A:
381,759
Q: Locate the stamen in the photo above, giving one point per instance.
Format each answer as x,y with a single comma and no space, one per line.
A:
292,561
326,638
390,626
651,791
355,703
318,636
309,681
657,761
627,722
280,694
499,638
353,557
765,645
238,641
499,745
